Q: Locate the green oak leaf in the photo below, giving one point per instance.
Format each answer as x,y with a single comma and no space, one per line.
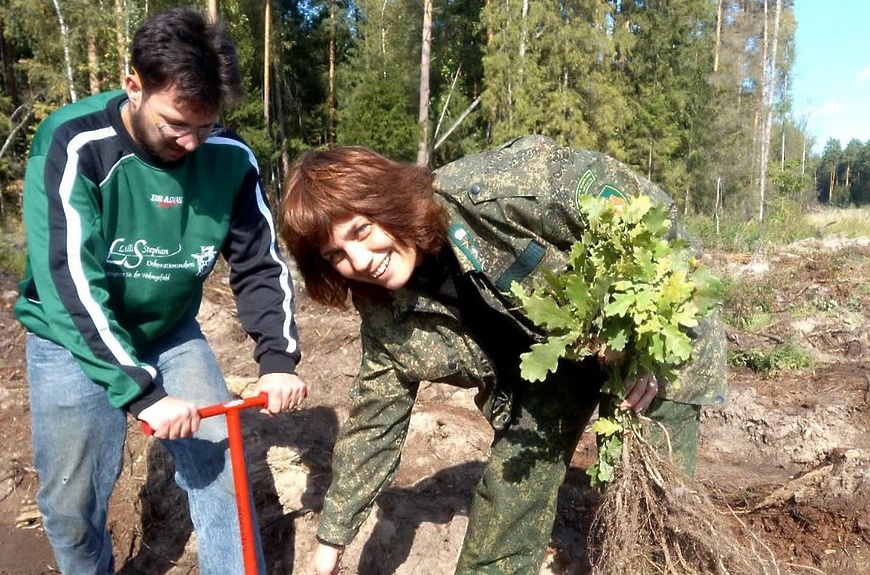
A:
605,427
543,358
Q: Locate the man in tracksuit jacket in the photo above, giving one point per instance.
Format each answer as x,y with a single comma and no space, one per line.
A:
129,199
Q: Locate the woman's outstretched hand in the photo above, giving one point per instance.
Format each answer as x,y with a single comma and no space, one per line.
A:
326,559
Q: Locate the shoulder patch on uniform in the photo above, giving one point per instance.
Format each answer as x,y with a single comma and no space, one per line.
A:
464,241
613,195
584,184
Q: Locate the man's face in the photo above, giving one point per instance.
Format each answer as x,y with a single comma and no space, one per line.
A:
166,127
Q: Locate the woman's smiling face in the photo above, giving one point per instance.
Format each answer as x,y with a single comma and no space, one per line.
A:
360,250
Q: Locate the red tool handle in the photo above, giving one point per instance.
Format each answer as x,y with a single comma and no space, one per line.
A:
260,400
237,459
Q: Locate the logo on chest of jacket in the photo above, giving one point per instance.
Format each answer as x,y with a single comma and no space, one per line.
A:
205,260
166,201
131,254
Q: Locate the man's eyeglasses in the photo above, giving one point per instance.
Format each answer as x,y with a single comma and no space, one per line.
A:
178,131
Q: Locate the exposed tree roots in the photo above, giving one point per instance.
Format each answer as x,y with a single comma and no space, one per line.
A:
654,520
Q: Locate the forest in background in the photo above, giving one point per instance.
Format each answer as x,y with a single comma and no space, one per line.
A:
694,94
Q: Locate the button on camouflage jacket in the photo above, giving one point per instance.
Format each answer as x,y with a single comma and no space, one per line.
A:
513,211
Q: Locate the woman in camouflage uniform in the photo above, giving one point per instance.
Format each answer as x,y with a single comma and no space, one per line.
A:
429,259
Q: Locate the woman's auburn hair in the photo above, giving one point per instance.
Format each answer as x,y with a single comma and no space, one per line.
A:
326,187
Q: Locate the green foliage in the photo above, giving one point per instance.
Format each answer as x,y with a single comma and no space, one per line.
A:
12,163
628,292
632,79
783,357
560,83
608,432
12,259
246,118
747,303
789,182
667,69
628,289
377,114
786,221
851,222
843,174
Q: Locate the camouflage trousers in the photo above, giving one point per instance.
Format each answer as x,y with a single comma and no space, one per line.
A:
514,504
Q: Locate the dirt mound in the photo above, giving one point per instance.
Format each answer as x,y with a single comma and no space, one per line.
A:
788,454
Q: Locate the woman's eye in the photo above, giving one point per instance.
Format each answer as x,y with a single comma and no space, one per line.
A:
333,257
363,230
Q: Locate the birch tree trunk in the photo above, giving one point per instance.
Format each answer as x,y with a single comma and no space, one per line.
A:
330,104
384,28
93,62
267,57
758,123
782,125
804,154
64,34
718,43
425,56
523,32
212,10
121,36
458,121
521,63
769,85
510,84
17,120
446,104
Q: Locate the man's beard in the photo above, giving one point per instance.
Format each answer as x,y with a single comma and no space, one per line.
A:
140,134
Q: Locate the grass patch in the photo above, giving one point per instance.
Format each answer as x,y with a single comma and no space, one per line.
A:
12,259
747,305
803,309
784,357
851,222
756,321
785,222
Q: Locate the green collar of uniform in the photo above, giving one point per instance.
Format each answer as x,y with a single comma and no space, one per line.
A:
465,246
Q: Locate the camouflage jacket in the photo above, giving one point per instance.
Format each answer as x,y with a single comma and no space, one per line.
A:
513,211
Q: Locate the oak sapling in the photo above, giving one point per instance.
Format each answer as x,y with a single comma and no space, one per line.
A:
630,294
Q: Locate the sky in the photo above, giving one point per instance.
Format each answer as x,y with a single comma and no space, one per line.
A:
831,72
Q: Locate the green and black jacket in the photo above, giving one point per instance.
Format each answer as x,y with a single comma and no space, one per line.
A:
119,246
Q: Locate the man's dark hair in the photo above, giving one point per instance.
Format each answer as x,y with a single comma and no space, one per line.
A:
182,49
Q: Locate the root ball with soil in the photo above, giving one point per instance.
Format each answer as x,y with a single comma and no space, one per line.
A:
655,520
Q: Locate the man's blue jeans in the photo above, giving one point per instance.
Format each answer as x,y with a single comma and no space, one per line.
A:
78,440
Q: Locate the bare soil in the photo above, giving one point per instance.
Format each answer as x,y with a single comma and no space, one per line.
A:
787,455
